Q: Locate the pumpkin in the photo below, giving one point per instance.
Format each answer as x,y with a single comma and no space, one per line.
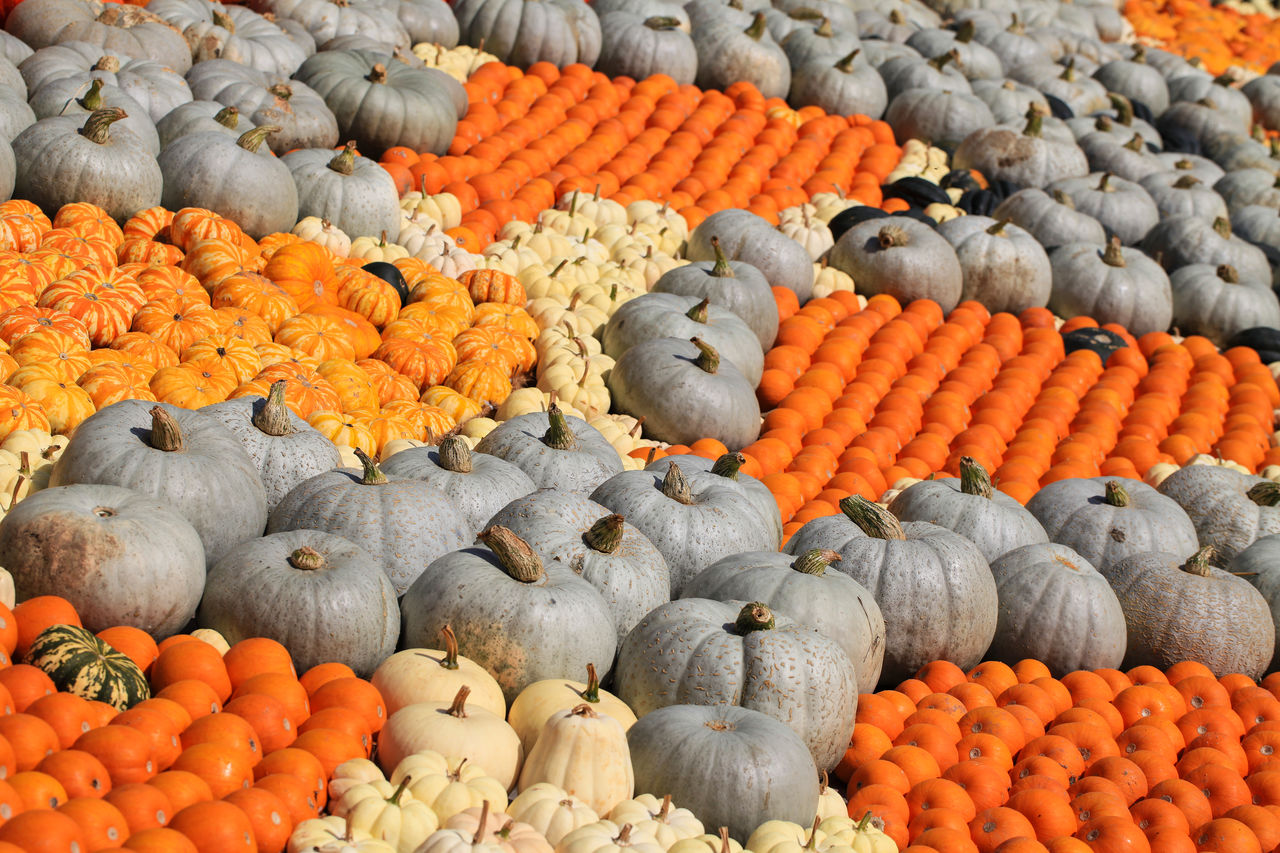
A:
605,836
551,811
434,675
64,159
735,285
805,590
77,662
1184,240
1249,185
284,448
1187,609
1010,100
382,810
1004,267
561,32
333,835
947,117
59,73
1025,156
585,754
451,728
197,117
1258,565
728,53
118,557
974,59
555,450
403,523
659,818
1136,80
744,236
637,46
707,843
539,701
181,457
1123,207
1180,194
818,45
232,32
607,552
1112,285
1229,509
267,100
902,258
904,73
731,766
320,596
1213,302
1051,218
353,193
944,608
133,32
447,787
521,618
1056,608
1110,152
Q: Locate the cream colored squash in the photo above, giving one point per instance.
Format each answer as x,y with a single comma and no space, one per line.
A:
602,211
399,444
807,230
387,812
720,843
543,280
434,675
830,803
370,249
418,237
586,754
349,774
333,835
826,206
524,401
348,457
441,208
783,836
448,786
827,280
213,638
1158,472
8,597
486,825
43,448
323,232
580,319
551,811
652,263
661,217
843,834
538,702
568,221
452,728
478,428
605,836
1271,472
659,818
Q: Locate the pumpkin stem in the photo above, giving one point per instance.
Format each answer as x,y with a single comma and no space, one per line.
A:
450,647
1035,123
812,844
273,417
822,782
1112,256
1265,494
1123,107
166,435
605,535
1139,53
373,475
96,126
1198,563
722,269
1186,182
1222,225
377,74
1135,143
974,479
891,236
306,559
755,616
1116,495
1103,123
624,836
823,29
281,91
484,814
897,18
1184,165
1228,273
698,313
592,693
871,518
228,117
940,61
583,710
1069,72
966,31
558,435
223,20
345,161
846,64
676,486
92,99
724,830
998,227
729,465
455,455
251,140
394,799
815,561
864,823
1104,183
708,360
758,27
519,561
661,22
1063,199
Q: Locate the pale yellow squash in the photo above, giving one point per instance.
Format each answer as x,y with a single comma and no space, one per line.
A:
454,729
537,702
435,675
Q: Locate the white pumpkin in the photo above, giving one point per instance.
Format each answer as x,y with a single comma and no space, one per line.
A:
659,818
605,836
830,803
492,831
387,812
551,811
720,843
213,638
843,834
348,774
453,728
333,835
323,232
8,596
448,786
435,675
538,702
783,836
586,754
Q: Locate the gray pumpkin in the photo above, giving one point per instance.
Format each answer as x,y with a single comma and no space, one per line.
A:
638,47
600,546
1178,608
561,32
428,21
119,557
728,54
1005,268
129,30
733,767
1229,509
522,618
1123,207
236,177
1264,94
381,103
1259,564
326,21
1252,185
1181,194
1082,94
685,391
822,44
973,59
1051,218
844,86
353,193
285,449
1186,240
13,48
933,586
199,117
1112,285
692,518
809,14
1197,120
1214,302
886,35
904,258
1106,520
477,484
701,652
727,468
1057,608
320,596
554,450
157,88
1008,99
231,32
67,98
305,121
1203,168
183,458
971,506
703,13
903,74
670,315
1259,225
735,285
744,236
1118,121
404,524
1237,151
946,117
1012,45
1130,159
805,590
15,115
645,9
1136,80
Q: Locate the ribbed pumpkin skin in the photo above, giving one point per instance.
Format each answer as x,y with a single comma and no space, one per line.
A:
119,557
730,766
997,525
1173,615
80,663
1056,608
923,266
746,237
1260,563
1051,223
745,293
489,486
1217,502
752,489
519,441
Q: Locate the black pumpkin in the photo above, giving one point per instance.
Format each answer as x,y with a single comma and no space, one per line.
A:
1264,339
916,191
391,275
1058,108
1101,341
849,217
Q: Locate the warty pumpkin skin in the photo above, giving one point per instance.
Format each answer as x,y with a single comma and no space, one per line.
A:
555,450
727,469
1056,608
1105,520
1214,302
133,31
232,32
520,617
183,458
903,258
353,193
637,46
971,506
744,236
322,597
404,524
521,33
1229,509
1004,267
690,517
731,766
119,557
1180,608
807,590
943,607
1260,565
734,285
607,552
1112,285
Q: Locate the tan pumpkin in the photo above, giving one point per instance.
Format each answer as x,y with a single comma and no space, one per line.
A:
551,810
605,836
720,843
538,702
432,675
586,754
448,786
659,818
387,812
484,830
453,729
333,835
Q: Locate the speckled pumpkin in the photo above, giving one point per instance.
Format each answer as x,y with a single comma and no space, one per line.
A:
554,449
1229,509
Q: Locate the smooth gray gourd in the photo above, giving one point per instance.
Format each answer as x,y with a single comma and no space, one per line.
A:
744,236
1260,565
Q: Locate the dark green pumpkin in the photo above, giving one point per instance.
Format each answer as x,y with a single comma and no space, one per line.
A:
80,663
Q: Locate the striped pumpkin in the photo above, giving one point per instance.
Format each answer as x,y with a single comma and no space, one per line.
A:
80,663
